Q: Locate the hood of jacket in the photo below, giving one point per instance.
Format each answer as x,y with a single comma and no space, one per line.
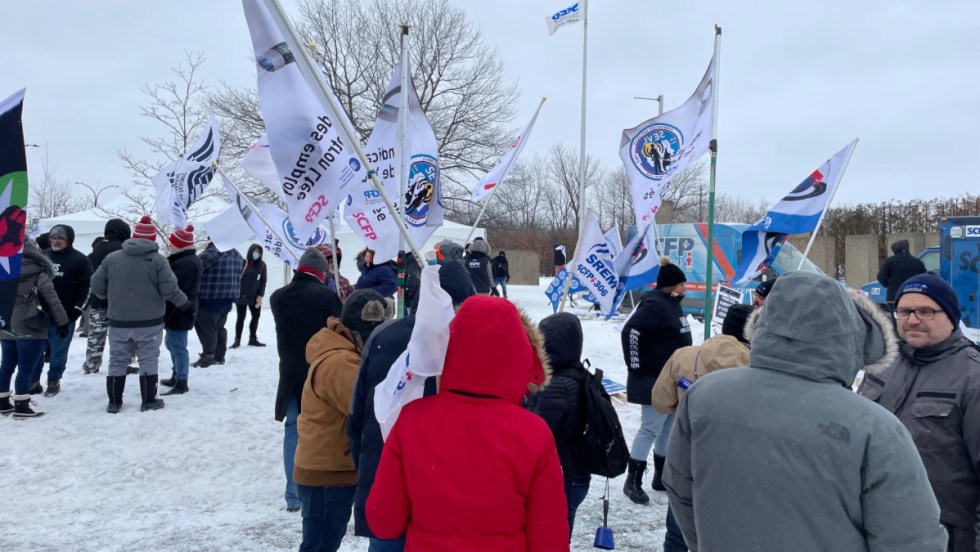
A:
140,247
721,351
562,333
323,343
36,262
814,328
69,231
480,246
901,246
518,364
117,229
449,250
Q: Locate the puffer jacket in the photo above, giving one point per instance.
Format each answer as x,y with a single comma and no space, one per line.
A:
650,336
35,271
478,265
137,282
935,392
323,455
783,455
692,363
469,468
560,403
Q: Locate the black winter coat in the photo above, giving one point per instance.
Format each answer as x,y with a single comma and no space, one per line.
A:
478,265
300,309
253,278
116,232
500,266
382,349
650,336
72,277
187,268
896,270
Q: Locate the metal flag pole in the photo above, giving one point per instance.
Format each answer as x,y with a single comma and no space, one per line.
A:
251,206
506,172
581,147
816,229
330,103
403,159
333,258
713,149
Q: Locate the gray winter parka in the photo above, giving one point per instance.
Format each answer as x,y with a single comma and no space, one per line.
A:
137,282
935,392
782,455
35,270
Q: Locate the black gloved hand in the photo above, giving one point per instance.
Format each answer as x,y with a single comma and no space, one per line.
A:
63,331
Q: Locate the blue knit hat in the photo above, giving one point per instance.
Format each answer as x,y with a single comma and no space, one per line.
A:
938,290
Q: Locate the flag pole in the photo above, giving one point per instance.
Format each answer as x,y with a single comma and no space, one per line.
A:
348,134
251,206
506,172
333,258
403,159
581,161
713,150
816,229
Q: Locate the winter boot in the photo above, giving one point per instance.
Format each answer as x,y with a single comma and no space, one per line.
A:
237,343
658,470
114,387
6,407
254,342
220,360
169,382
53,388
179,389
36,388
634,482
22,407
207,359
148,390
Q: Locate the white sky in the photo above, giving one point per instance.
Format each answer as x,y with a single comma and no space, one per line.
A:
798,81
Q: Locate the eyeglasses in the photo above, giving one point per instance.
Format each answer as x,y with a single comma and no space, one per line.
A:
922,313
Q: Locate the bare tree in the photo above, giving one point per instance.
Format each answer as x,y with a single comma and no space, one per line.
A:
52,197
732,208
563,195
519,201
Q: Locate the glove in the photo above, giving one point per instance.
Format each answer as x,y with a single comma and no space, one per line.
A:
258,302
63,331
186,308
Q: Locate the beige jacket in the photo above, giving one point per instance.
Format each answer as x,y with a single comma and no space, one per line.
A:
721,351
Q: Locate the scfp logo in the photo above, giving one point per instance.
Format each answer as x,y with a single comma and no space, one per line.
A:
679,245
971,231
811,187
655,148
567,11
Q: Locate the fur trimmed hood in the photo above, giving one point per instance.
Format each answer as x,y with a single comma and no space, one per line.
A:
814,328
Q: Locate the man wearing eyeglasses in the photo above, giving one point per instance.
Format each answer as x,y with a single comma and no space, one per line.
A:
934,389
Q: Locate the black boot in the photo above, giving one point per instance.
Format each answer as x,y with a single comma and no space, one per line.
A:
36,388
254,342
658,470
114,387
169,382
22,407
206,359
6,407
634,482
148,390
179,389
237,343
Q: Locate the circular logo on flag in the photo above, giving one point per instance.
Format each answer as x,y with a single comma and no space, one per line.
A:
318,237
354,164
655,148
423,185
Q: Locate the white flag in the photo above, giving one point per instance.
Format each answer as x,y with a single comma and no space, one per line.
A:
593,264
228,229
314,157
180,183
258,164
660,147
365,211
500,171
424,357
559,19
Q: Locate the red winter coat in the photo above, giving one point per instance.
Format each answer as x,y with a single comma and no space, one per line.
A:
469,469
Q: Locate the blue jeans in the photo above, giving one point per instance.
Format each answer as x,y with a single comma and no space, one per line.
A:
502,282
653,433
326,511
575,493
22,355
289,440
59,353
385,545
176,341
674,539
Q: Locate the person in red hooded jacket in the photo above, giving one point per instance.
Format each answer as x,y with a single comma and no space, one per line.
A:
469,468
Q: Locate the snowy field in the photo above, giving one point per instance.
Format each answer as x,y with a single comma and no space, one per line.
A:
205,473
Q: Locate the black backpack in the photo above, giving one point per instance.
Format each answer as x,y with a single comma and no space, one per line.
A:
601,448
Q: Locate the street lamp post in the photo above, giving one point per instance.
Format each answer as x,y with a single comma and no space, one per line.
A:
96,192
659,99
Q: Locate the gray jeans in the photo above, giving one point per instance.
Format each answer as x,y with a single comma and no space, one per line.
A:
144,341
654,429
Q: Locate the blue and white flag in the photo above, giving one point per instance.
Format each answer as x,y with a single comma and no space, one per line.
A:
593,263
557,285
180,183
638,264
559,19
797,213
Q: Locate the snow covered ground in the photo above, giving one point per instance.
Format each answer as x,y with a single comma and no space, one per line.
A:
205,473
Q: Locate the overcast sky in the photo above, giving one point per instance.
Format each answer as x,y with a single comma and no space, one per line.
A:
798,81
